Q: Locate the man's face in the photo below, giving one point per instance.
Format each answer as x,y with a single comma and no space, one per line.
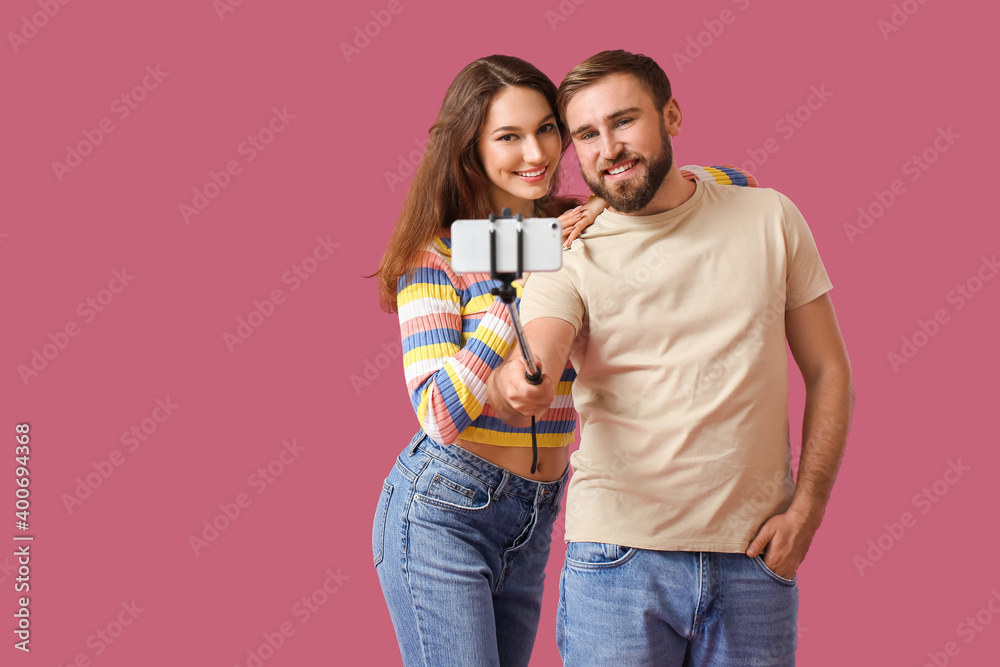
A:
622,141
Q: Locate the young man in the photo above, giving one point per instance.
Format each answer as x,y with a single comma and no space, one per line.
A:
685,525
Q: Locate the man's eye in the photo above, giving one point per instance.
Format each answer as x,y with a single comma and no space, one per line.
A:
588,135
624,121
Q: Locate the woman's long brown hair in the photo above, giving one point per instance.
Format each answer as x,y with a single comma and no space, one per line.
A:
449,183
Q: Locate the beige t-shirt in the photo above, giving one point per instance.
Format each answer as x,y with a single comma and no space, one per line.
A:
681,361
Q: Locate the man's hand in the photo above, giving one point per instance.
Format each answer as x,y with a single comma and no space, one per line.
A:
815,341
787,538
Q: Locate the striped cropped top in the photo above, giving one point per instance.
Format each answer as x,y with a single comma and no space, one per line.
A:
455,333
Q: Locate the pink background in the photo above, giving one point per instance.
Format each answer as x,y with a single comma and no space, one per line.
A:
324,175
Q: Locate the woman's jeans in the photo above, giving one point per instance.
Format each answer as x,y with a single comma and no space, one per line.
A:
460,548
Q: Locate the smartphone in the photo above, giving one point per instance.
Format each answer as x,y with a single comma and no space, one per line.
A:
541,244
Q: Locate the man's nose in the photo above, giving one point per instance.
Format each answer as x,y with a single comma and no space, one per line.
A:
610,147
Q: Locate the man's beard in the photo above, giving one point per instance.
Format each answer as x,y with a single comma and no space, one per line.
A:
634,194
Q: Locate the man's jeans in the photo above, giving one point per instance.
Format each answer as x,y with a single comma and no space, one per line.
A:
460,547
626,606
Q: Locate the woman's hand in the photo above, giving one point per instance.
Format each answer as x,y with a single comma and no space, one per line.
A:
513,398
576,220
569,220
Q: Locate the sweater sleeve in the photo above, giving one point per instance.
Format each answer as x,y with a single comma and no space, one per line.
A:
446,377
726,174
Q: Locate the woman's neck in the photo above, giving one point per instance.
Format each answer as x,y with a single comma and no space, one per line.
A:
526,207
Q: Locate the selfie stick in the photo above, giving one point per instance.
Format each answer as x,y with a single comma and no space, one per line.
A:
507,294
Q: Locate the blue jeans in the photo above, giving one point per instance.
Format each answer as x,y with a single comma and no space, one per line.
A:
460,547
627,606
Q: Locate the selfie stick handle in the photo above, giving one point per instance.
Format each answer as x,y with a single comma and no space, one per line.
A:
507,294
534,374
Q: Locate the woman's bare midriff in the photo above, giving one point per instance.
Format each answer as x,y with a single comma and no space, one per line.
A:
552,461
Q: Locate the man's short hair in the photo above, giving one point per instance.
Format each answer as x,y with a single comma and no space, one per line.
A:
650,75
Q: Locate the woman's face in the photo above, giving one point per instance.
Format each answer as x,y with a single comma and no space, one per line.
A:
520,148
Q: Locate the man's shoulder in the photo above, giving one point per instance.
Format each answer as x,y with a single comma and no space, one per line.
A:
720,192
747,203
602,229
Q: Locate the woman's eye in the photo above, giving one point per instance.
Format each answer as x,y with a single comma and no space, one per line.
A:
548,127
507,138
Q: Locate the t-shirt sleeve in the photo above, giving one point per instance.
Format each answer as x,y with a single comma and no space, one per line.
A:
806,277
552,294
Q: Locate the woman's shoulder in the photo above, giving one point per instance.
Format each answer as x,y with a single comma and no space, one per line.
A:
433,263
556,206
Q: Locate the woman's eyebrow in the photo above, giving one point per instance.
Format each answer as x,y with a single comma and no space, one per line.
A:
515,128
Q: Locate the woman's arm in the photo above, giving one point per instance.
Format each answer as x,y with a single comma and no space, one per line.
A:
446,376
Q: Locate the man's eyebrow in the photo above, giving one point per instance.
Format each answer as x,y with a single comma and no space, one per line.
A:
611,116
624,112
515,128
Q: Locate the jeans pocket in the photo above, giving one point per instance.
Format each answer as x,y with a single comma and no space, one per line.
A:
444,489
597,555
450,488
378,530
776,577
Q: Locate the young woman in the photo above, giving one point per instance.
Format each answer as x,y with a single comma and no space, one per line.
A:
463,527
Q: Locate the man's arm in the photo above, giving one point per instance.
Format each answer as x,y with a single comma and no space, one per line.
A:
815,341
510,394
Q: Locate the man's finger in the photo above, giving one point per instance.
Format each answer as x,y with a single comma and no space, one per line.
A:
763,537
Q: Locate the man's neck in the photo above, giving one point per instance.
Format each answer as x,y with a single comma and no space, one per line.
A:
675,191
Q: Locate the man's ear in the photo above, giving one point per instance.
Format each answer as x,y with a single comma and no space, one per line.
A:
672,116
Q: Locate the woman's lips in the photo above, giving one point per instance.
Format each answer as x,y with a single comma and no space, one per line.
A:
533,175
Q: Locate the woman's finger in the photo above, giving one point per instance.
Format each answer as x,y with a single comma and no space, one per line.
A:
570,214
573,234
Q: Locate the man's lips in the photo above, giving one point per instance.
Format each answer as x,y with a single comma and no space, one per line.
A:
620,170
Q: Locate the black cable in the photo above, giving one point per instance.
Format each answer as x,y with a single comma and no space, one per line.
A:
534,379
534,447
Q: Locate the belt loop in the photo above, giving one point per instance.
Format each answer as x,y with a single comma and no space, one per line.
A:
502,484
417,439
557,493
546,491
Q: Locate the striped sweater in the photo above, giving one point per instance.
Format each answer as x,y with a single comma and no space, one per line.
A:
455,333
